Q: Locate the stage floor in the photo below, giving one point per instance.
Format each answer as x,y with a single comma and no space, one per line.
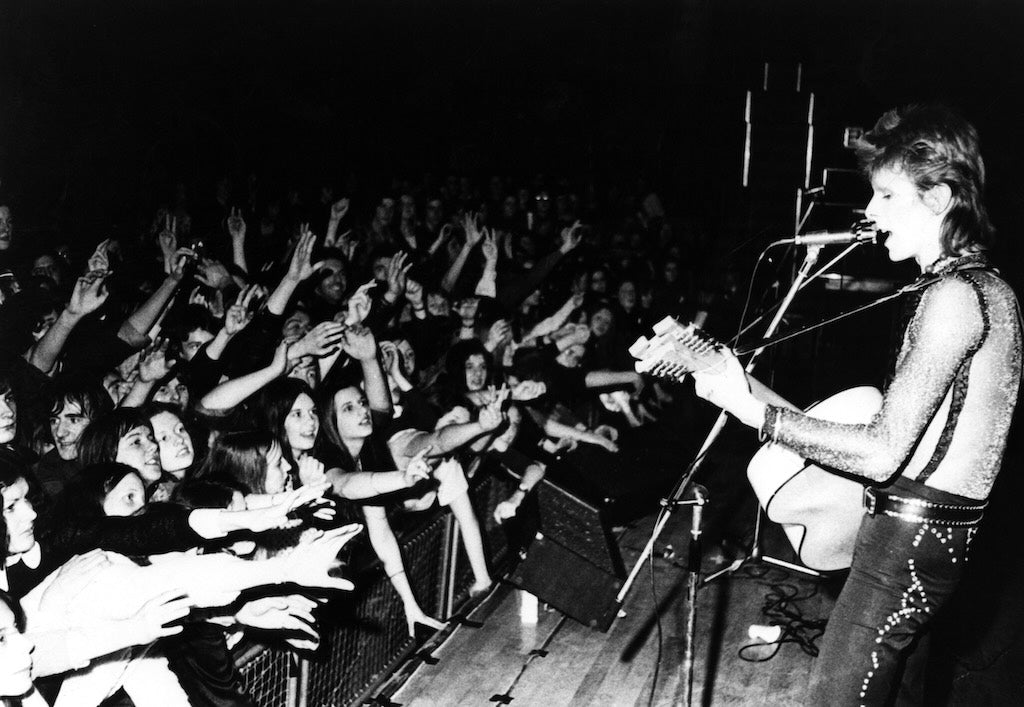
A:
558,661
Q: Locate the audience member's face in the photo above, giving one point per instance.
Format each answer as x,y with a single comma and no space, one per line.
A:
599,281
467,309
194,341
380,268
671,272
43,325
116,386
408,354
627,295
139,450
277,479
408,208
6,228
438,305
571,357
434,211
66,426
174,441
127,498
509,207
15,656
173,392
307,370
301,424
352,414
476,372
601,321
46,266
8,417
20,517
331,287
296,325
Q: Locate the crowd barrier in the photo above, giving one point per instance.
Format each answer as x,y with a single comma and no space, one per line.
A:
363,636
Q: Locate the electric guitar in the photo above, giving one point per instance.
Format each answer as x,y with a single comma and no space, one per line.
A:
820,511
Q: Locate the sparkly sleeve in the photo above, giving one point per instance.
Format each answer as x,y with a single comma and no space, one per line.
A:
944,331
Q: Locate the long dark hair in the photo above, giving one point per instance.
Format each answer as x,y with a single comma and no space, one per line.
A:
100,439
241,456
273,404
79,505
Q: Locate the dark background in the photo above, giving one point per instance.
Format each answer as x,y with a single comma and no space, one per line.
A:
105,105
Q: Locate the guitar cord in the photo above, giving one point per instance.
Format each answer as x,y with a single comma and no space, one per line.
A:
781,608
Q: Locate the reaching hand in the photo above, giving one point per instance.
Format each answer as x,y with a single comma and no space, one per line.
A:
154,364
458,415
418,469
236,225
301,268
491,415
309,564
152,617
242,311
358,342
571,237
89,293
291,612
278,515
280,360
505,510
528,390
73,577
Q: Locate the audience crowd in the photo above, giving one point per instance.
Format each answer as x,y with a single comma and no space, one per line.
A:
194,420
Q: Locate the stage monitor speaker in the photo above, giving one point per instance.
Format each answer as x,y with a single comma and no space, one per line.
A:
573,562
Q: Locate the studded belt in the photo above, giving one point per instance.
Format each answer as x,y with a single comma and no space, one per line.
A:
917,510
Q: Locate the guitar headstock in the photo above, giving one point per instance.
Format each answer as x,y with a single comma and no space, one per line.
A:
676,349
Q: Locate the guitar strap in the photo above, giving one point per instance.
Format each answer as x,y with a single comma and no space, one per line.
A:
959,384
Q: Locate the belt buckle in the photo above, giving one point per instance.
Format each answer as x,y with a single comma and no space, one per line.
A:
869,500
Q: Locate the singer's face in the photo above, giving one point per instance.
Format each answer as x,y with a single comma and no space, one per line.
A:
897,206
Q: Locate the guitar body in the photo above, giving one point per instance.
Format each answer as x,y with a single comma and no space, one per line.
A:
820,511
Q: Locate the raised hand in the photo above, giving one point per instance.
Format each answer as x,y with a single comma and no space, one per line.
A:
89,293
359,304
236,225
168,240
414,293
571,237
499,334
471,225
311,471
458,415
212,273
359,343
242,311
390,358
153,365
175,267
301,267
491,415
490,246
321,340
338,209
397,271
100,259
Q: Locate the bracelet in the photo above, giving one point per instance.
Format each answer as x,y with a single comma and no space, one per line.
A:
395,574
769,430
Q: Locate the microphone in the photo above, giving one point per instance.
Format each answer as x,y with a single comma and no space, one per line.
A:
866,235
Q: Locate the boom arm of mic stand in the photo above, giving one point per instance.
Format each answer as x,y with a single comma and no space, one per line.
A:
677,492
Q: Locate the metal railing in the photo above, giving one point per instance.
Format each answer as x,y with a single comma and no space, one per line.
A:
364,637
